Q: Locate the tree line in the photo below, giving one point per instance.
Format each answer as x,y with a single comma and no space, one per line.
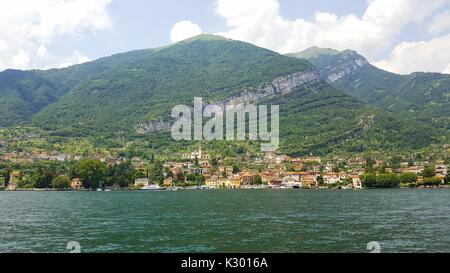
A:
392,180
58,175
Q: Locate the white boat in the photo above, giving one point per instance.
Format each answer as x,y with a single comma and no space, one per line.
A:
153,188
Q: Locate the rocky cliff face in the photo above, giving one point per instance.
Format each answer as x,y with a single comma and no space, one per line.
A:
348,64
154,126
279,86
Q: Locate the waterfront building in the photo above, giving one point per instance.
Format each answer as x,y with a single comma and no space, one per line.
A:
331,178
168,182
13,180
309,181
416,169
76,184
235,183
356,181
141,182
271,179
246,180
212,182
442,170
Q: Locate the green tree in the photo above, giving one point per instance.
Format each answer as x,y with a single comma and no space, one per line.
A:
369,180
408,178
43,177
191,177
383,168
139,174
169,173
429,171
396,161
156,172
257,180
241,150
336,169
200,180
214,162
91,172
196,161
121,175
61,182
236,169
26,181
431,182
320,181
388,180
369,165
6,176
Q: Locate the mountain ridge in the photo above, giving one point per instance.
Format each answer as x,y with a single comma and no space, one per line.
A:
424,95
130,95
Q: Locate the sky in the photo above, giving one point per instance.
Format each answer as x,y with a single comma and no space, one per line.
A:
401,36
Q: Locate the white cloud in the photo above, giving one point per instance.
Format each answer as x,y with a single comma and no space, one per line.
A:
447,70
3,45
30,27
42,51
427,56
260,22
20,60
440,23
76,58
184,30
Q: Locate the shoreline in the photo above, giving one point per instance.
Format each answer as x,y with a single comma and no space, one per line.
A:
241,189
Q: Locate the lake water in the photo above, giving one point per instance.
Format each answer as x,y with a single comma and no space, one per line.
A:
226,221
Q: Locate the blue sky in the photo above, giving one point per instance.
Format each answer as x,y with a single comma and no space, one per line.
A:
398,35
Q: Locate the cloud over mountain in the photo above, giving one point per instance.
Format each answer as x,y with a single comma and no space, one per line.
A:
29,28
372,34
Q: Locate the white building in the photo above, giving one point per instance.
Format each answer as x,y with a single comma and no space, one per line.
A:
141,182
357,183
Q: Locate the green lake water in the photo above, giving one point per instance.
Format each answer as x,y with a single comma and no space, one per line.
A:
226,221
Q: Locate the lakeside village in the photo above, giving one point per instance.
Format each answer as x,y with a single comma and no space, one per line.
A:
200,170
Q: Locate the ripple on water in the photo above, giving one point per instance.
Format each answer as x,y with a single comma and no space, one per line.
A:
226,221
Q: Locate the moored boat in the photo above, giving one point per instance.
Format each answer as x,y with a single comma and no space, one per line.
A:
153,188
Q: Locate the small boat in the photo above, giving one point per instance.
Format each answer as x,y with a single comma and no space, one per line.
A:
153,188
99,189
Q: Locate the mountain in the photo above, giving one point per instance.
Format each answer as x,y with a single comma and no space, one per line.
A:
130,95
141,86
424,96
314,52
25,93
